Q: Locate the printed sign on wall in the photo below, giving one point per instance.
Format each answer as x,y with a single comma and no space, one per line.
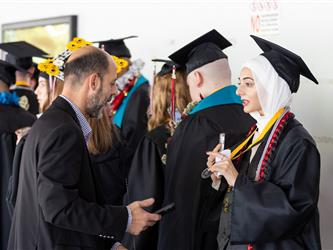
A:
265,17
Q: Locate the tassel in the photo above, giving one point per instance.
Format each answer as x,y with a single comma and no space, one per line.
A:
250,247
152,89
173,81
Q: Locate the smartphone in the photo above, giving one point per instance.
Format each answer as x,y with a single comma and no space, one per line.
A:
166,209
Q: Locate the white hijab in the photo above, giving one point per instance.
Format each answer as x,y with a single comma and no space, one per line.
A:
273,91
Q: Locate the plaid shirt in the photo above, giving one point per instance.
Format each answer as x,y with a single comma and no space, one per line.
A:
85,127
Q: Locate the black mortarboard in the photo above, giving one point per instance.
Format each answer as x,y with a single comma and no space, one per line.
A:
203,50
36,73
167,66
7,72
44,75
20,54
287,64
116,47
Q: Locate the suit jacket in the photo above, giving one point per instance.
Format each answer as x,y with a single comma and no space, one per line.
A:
58,205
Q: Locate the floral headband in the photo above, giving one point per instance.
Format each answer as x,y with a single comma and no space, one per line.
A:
120,63
55,67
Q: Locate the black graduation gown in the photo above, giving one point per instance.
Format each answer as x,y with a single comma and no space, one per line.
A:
14,178
31,96
111,170
7,148
134,124
282,212
11,119
146,179
194,222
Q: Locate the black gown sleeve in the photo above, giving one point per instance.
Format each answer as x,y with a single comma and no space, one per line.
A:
14,178
197,211
7,147
281,207
146,174
145,181
111,170
134,125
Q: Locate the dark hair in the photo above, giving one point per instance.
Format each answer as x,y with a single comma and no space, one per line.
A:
92,62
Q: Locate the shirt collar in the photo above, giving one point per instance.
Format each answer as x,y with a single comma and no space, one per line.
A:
85,127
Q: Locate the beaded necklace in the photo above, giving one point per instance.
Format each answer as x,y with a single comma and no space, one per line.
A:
264,166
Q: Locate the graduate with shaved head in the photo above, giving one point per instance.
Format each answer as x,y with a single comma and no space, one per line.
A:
215,109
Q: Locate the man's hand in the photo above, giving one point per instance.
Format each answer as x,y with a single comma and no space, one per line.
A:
121,247
141,219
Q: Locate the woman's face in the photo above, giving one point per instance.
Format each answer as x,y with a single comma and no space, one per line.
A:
248,92
41,91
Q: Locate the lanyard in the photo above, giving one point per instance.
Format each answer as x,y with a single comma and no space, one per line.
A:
235,153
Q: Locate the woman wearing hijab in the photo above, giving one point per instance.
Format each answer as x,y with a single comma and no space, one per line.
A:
273,195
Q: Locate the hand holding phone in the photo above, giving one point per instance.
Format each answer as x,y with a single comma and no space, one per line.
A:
166,209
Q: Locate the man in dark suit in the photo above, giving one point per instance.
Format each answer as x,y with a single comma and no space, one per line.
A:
58,204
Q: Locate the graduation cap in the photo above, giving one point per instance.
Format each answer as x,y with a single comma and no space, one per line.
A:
287,64
203,50
36,73
20,54
116,47
167,66
44,75
7,72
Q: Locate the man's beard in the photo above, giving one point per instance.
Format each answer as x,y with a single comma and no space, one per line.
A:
95,105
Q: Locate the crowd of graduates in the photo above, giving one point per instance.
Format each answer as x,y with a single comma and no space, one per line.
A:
90,150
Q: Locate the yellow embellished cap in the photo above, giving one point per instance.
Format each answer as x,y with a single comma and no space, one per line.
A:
120,63
55,66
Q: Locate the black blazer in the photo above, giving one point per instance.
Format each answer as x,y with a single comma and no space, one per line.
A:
58,205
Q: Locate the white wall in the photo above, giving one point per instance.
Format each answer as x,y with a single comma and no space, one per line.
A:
164,26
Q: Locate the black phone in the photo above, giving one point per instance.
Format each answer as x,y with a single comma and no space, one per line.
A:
164,210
